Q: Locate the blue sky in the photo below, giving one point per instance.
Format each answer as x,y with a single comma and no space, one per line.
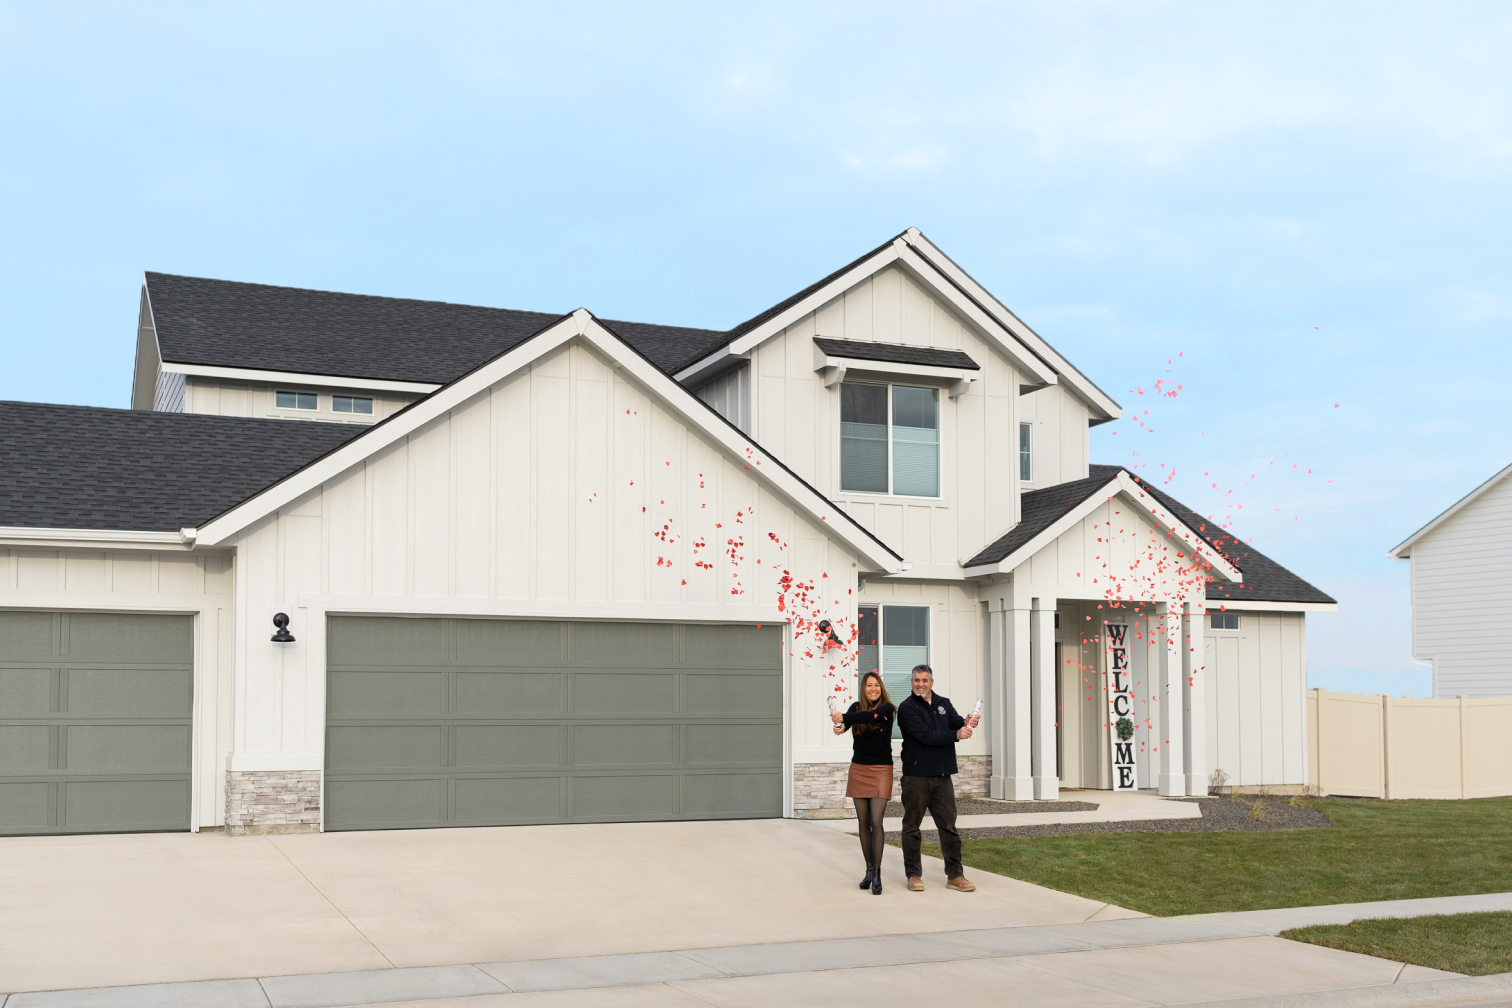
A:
1308,203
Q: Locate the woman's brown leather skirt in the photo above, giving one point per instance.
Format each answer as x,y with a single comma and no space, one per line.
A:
867,781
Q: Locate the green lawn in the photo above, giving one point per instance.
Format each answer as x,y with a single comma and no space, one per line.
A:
1376,851
1473,943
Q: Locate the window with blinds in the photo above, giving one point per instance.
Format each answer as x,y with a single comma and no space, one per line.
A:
890,439
893,640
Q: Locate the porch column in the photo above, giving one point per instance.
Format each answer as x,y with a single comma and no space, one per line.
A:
1194,680
1169,688
1043,714
1007,716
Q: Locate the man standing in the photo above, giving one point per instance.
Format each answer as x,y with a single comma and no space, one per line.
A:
931,727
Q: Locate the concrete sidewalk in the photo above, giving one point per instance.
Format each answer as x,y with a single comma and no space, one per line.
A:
1150,961
1112,806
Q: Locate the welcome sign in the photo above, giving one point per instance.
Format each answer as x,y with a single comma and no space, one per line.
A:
1120,705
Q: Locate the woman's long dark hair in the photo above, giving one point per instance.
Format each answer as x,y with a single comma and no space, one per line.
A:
862,703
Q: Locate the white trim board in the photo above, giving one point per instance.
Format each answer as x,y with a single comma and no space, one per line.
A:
1403,550
298,378
505,608
1244,605
583,327
29,536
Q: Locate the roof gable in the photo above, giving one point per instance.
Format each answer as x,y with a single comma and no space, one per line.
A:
1403,549
630,363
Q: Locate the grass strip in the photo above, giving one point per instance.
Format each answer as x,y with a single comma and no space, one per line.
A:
1471,943
1377,850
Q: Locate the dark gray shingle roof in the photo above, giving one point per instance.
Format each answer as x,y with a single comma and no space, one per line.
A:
225,323
1264,579
91,468
896,353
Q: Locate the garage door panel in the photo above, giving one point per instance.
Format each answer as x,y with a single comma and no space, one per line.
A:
28,636
125,804
732,794
128,692
623,693
96,749
386,640
509,642
624,643
110,637
501,799
556,721
508,746
379,693
728,646
733,693
25,692
732,743
641,796
25,749
376,804
25,806
386,747
510,694
633,744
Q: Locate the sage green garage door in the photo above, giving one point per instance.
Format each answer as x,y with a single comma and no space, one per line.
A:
95,722
477,722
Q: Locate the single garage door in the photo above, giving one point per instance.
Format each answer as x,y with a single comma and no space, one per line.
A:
486,722
95,722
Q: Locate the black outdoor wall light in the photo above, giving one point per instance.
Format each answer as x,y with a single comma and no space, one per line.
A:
829,631
281,621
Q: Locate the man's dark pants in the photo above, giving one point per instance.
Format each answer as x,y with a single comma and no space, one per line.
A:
937,795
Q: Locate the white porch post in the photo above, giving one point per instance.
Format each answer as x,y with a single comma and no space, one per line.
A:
1007,720
1042,698
1194,696
1170,689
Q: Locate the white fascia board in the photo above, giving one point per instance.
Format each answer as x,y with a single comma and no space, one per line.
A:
823,361
1078,383
1403,550
1120,486
1238,605
299,378
579,325
711,366
29,534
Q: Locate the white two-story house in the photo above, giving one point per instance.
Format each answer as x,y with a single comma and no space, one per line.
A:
356,562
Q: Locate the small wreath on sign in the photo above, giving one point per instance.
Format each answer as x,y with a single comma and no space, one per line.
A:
1125,729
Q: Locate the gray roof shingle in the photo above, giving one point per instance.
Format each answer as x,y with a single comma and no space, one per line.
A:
226,323
1264,579
86,467
896,353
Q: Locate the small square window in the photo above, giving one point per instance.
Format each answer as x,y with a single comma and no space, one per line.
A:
295,400
1223,620
351,404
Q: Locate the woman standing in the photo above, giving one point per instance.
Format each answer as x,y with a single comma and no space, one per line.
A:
870,783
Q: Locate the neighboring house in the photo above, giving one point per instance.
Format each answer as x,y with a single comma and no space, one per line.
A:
550,568
1465,633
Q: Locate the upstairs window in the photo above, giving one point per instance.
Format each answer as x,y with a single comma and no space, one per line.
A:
1223,620
1026,452
889,439
351,404
295,400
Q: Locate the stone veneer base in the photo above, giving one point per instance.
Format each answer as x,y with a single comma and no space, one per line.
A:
260,802
819,788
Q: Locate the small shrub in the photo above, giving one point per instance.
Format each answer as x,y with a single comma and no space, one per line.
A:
1216,780
1257,811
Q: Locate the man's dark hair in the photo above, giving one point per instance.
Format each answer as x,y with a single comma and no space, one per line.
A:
924,668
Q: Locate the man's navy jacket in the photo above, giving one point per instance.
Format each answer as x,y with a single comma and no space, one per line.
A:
929,736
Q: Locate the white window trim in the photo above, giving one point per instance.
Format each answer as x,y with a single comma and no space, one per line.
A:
1022,478
874,495
296,393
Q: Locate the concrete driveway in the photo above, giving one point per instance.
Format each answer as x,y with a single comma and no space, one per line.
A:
137,909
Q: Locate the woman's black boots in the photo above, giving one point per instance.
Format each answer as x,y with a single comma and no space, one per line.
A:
876,877
873,878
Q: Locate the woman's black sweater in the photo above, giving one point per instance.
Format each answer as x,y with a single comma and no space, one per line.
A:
872,747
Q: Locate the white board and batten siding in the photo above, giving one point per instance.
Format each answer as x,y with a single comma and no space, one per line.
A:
546,496
1257,699
1462,597
796,418
199,584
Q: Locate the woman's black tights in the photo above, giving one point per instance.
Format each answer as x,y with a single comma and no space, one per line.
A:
869,813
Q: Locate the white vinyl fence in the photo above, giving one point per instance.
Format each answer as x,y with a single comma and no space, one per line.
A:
1381,747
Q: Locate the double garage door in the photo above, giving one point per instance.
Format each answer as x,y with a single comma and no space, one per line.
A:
485,722
95,722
